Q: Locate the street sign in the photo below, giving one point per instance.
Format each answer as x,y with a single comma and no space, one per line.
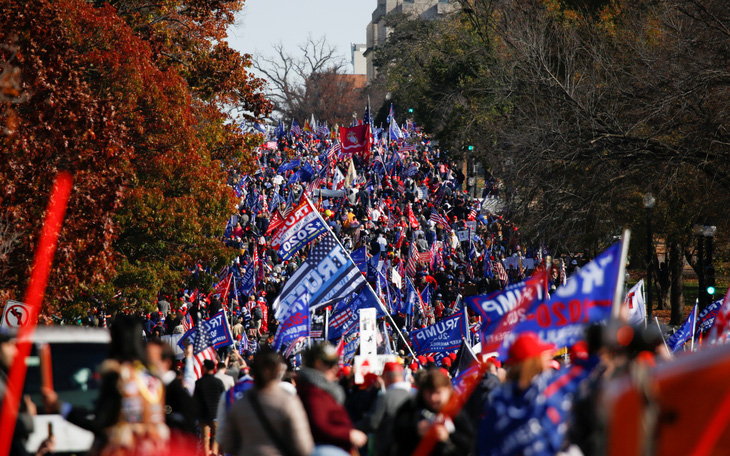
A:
16,314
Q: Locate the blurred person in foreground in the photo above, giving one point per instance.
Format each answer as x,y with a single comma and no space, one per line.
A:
131,405
379,420
416,416
323,399
267,420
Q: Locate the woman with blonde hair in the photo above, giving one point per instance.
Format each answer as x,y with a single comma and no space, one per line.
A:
512,422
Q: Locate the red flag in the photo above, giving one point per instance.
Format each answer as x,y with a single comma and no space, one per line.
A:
412,217
276,221
355,139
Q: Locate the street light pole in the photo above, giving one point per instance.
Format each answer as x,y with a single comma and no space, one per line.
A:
649,203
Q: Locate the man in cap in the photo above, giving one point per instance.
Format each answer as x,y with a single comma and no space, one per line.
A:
379,420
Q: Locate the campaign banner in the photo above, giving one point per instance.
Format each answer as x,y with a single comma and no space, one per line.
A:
359,256
443,336
294,325
299,228
587,297
326,277
494,306
466,376
217,329
347,315
287,166
706,318
684,333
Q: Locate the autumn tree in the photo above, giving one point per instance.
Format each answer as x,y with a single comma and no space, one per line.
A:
112,93
313,83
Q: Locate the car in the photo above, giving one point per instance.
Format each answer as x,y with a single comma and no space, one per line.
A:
76,355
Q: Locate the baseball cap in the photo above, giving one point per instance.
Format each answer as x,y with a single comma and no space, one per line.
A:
392,366
526,346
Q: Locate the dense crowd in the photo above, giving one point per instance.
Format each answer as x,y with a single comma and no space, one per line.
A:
411,210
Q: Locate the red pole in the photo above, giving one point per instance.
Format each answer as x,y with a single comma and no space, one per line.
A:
55,212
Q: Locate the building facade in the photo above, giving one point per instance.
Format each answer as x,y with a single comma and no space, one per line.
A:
377,32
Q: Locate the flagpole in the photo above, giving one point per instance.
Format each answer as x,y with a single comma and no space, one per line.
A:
656,319
694,324
617,295
385,310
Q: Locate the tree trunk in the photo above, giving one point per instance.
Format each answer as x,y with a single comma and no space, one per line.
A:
676,265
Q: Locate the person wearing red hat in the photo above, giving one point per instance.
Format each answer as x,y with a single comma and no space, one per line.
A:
515,408
378,421
416,416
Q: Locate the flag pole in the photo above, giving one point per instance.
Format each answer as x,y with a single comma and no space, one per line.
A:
656,319
694,324
617,295
385,310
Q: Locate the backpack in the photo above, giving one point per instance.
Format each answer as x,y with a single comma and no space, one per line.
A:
257,313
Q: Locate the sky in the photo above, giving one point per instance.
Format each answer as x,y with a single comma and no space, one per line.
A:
263,23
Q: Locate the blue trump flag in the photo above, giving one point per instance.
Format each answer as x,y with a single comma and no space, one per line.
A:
412,298
706,318
493,307
684,333
444,336
348,314
327,276
359,256
287,166
248,283
216,328
294,326
372,271
587,297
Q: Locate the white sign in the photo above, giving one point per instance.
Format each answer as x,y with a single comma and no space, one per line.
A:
463,235
370,364
16,314
368,332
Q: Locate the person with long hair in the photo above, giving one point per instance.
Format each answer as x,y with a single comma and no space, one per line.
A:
512,423
267,420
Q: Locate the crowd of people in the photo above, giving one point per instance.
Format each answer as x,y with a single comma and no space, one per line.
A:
418,218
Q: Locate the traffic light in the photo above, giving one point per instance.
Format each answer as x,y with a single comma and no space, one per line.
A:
471,148
710,279
410,110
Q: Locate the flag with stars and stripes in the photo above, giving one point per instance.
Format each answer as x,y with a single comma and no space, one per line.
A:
499,272
326,276
202,350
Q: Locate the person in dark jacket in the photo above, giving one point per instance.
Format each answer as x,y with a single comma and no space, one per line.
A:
414,418
208,390
323,400
379,420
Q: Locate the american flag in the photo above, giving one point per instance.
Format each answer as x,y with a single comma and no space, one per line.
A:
276,221
408,148
202,349
439,219
412,259
323,130
295,128
391,220
187,322
500,272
